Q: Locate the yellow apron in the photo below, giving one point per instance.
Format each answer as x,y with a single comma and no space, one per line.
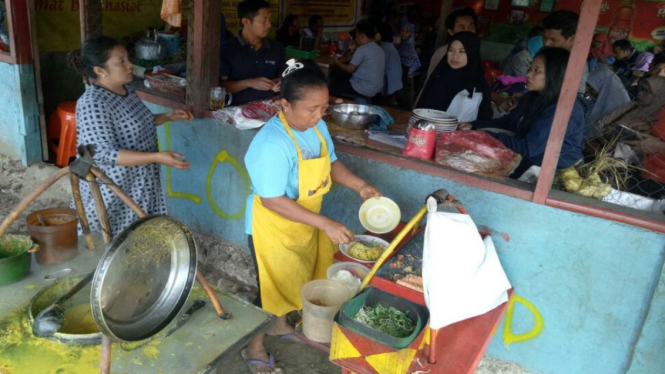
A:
290,254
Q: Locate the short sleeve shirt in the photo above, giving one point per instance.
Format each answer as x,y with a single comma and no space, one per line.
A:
393,80
371,62
241,61
272,161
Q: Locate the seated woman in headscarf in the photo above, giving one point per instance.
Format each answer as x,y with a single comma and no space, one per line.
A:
645,108
460,70
650,182
518,65
531,120
600,52
609,93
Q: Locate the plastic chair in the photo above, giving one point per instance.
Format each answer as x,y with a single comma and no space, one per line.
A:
61,133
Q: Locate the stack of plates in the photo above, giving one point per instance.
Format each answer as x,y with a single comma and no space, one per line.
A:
443,121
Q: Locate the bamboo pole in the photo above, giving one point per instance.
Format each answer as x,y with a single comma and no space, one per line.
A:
122,195
23,205
100,208
80,209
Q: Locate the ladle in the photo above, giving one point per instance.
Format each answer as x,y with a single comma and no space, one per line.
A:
50,320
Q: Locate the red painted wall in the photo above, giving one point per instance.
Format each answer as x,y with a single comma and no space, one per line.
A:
618,17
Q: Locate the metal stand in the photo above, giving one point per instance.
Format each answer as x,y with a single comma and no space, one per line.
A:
82,169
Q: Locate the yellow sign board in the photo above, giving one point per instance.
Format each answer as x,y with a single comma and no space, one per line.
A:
58,23
230,11
334,12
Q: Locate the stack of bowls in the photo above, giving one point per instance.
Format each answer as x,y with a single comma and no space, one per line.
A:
442,121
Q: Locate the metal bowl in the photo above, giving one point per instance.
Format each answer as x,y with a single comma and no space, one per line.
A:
352,116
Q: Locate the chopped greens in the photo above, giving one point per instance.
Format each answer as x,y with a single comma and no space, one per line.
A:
389,320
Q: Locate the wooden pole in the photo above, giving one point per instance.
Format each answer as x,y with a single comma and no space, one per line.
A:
80,209
23,205
212,295
118,192
105,364
564,108
107,232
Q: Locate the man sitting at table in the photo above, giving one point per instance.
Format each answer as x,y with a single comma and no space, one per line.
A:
459,20
315,31
560,28
251,64
367,66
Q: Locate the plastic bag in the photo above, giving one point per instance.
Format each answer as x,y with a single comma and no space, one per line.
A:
420,144
462,274
248,116
465,106
472,151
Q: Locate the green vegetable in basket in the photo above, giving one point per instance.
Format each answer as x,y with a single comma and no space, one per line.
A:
389,320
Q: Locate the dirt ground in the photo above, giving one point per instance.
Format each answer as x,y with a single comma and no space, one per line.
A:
228,266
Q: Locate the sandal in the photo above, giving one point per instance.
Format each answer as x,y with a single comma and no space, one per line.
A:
252,363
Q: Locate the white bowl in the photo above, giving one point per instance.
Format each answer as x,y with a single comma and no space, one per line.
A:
379,215
365,239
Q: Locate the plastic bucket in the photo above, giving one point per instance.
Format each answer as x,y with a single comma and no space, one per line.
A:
321,299
58,240
355,269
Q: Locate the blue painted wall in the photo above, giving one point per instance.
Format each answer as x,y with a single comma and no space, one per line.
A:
594,282
19,117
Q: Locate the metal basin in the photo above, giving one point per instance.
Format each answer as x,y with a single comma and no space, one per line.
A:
144,278
352,116
50,294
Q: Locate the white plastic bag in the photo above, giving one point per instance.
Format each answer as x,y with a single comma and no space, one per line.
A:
234,115
465,108
462,275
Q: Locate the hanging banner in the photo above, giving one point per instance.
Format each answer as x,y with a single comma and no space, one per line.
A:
334,12
58,23
641,21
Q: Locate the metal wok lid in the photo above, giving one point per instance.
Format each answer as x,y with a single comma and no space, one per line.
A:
144,278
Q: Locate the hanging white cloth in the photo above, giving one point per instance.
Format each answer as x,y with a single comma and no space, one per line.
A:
462,275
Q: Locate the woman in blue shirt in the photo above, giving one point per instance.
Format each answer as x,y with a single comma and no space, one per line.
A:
292,164
531,120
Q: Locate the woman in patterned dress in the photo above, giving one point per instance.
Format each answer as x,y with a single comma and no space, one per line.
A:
112,118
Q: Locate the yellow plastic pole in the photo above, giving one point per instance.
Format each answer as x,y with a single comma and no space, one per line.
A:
415,221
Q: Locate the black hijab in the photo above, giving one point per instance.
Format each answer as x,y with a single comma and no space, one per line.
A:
446,82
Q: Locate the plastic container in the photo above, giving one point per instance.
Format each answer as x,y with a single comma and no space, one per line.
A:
357,270
14,258
296,53
379,215
321,300
372,296
58,240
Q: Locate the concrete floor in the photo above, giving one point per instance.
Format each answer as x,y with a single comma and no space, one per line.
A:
229,267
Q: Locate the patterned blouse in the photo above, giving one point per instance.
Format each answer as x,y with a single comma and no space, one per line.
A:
111,123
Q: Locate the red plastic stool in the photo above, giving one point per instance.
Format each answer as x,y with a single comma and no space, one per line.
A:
61,133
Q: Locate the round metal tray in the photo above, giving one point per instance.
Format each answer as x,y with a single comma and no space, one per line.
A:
143,279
